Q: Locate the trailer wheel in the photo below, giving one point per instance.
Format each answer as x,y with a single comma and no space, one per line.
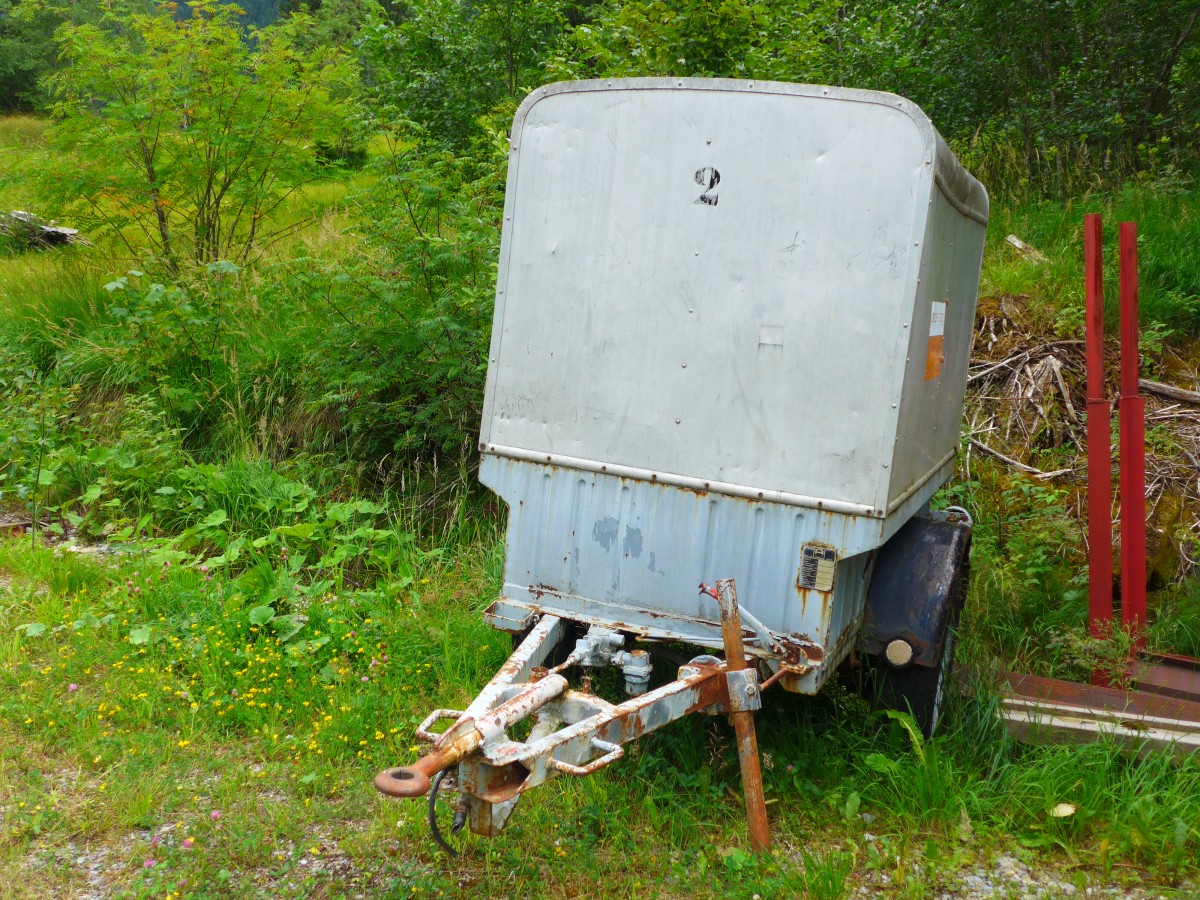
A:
922,690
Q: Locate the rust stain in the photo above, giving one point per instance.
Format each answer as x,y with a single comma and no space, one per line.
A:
503,782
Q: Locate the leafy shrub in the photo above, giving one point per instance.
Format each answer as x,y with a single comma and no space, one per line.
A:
395,350
93,465
193,135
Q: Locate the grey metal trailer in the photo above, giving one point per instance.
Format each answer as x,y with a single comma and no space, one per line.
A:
732,328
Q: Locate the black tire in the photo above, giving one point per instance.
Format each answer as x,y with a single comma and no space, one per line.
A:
921,690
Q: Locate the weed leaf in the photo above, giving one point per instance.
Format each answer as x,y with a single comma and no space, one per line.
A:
261,615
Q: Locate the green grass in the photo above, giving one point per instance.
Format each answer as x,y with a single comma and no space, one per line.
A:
1168,257
19,136
183,707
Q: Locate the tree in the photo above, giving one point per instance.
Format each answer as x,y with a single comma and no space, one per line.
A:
26,53
785,40
1105,84
445,63
180,138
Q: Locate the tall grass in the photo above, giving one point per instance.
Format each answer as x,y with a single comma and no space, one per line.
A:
20,136
1168,218
238,455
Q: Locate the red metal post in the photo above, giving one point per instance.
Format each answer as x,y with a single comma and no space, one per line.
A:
1099,451
1133,444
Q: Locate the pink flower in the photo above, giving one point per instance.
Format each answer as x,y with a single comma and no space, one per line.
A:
187,843
149,863
233,693
214,815
204,570
365,678
72,688
154,841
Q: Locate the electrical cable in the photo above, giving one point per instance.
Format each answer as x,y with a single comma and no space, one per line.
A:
433,825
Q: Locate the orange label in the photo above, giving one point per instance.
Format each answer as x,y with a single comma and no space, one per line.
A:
934,357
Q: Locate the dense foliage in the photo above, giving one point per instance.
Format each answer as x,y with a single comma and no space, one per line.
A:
184,138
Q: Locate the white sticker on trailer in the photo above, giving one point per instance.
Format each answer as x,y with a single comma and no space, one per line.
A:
935,355
937,319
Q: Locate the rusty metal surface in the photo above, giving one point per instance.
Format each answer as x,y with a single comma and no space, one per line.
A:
743,720
1168,675
612,752
1033,687
1040,721
531,653
627,554
422,731
1047,710
743,690
506,769
1099,436
466,736
1132,452
569,726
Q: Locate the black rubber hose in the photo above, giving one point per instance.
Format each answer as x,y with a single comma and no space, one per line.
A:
433,825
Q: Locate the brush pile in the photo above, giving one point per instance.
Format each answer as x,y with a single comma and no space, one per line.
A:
1026,408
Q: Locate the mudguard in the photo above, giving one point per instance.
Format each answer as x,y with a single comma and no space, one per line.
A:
913,587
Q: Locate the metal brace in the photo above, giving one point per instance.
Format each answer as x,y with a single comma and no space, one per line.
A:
422,731
744,695
612,752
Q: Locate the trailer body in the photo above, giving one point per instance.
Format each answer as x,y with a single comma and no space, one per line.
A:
732,328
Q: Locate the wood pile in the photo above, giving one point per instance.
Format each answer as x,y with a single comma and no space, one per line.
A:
1026,405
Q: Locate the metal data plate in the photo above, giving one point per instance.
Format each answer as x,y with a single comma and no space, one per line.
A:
817,566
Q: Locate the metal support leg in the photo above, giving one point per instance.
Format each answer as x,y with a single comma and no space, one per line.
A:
743,721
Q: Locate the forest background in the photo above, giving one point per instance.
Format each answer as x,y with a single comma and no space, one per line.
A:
257,389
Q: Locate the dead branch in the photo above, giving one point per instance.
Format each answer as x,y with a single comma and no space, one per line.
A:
1036,473
1170,391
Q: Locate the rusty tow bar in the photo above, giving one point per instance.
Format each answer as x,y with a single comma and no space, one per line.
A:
465,737
741,714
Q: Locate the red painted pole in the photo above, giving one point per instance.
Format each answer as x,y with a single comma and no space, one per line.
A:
1133,444
1099,450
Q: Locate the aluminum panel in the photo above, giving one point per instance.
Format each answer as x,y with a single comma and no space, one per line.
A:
930,412
631,553
745,331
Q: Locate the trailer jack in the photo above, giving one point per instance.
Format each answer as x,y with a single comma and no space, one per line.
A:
575,732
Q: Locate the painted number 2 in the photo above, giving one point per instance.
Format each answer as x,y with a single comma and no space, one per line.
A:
708,178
